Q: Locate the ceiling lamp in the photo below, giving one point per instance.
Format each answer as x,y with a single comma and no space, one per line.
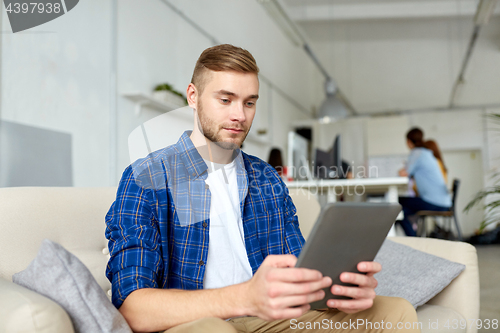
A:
332,108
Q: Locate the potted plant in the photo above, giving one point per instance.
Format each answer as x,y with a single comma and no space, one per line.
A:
166,93
492,209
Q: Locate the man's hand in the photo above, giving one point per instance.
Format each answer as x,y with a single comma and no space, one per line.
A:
403,173
278,290
362,295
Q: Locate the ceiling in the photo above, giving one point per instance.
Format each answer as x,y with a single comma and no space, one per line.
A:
398,55
337,10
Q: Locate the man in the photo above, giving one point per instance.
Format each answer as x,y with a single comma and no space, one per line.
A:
201,232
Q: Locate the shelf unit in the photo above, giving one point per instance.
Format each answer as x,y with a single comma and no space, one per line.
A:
142,99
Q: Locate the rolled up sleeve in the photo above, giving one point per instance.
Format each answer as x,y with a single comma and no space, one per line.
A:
133,239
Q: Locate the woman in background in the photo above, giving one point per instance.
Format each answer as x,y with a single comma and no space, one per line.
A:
433,146
424,168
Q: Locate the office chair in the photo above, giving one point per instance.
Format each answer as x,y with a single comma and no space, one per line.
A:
448,215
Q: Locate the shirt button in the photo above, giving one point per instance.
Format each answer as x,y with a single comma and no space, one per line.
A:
105,251
201,263
205,224
194,174
206,186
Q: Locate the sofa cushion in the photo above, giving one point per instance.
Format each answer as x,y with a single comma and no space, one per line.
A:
23,310
411,274
62,277
440,319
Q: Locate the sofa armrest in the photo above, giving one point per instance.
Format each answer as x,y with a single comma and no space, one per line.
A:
462,294
23,310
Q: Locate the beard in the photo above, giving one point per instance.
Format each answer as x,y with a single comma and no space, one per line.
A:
212,131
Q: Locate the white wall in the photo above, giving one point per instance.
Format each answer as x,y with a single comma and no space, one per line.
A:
464,165
386,135
59,75
493,140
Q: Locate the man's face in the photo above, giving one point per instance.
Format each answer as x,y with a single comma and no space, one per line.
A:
226,107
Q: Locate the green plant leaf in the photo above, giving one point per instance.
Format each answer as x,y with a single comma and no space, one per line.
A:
168,87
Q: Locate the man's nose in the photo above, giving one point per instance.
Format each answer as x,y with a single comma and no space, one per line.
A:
238,113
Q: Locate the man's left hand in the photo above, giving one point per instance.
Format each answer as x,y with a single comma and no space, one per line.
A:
362,295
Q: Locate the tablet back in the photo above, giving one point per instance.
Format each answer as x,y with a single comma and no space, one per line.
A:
345,234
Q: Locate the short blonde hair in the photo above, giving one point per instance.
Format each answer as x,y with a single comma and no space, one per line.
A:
224,57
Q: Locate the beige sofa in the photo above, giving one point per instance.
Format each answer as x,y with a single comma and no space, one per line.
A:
74,217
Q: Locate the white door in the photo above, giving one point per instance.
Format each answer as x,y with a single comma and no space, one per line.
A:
467,166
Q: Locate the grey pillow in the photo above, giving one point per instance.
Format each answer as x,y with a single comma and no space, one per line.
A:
411,274
62,277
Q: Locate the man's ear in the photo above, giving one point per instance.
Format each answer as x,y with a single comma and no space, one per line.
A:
192,95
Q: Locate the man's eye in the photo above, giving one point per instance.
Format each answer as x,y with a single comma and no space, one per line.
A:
224,100
250,104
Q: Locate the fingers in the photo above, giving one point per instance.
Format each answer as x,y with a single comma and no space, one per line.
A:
282,260
288,289
350,306
362,280
297,300
362,295
294,275
285,300
353,292
369,267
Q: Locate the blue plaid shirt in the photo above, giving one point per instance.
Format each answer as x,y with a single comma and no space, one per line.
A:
158,227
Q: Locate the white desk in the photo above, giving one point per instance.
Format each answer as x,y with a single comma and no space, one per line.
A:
390,186
357,186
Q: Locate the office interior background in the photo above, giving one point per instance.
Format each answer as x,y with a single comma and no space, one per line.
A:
72,82
70,89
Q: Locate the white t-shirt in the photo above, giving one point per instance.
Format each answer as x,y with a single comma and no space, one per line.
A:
227,262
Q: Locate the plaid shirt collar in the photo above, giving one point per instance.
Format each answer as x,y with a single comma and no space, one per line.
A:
196,166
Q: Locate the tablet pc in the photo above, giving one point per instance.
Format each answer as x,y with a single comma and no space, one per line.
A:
345,234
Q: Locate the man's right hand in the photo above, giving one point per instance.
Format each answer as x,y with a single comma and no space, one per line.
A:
278,290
